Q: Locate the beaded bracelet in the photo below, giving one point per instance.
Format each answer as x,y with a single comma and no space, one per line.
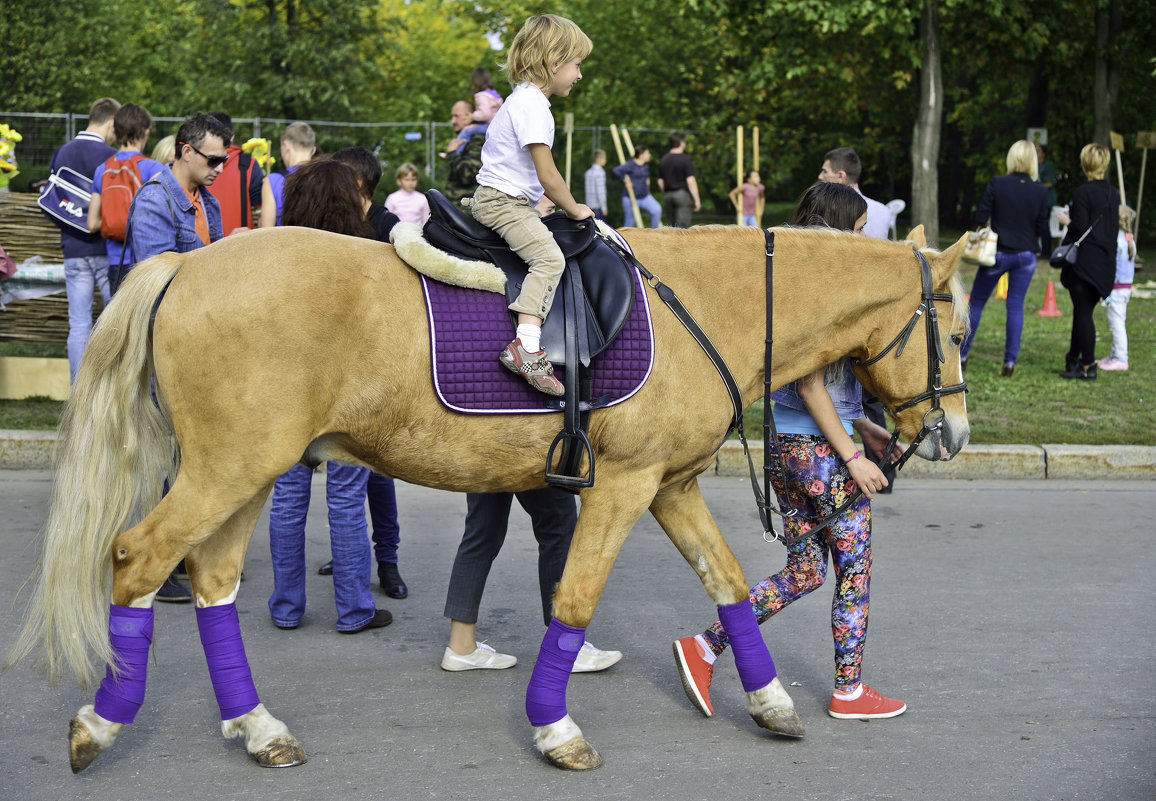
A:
853,458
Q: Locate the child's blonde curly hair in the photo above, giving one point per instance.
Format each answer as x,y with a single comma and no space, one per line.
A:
544,43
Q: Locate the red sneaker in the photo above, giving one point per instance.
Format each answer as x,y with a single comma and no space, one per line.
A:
695,673
868,705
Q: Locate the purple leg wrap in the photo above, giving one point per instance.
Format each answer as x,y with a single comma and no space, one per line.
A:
228,667
753,660
130,632
546,695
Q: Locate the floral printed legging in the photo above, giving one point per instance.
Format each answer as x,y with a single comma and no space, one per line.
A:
817,483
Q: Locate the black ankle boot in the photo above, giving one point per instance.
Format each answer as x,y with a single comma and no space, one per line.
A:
1081,373
391,582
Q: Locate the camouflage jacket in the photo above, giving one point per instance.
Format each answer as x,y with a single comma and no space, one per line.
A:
462,178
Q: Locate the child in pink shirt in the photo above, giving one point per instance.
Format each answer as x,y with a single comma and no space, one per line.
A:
407,203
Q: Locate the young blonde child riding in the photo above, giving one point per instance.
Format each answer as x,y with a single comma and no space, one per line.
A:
518,169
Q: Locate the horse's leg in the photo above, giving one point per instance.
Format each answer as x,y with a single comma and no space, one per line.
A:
608,514
143,557
215,572
683,515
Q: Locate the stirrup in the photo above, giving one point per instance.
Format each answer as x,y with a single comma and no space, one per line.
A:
570,439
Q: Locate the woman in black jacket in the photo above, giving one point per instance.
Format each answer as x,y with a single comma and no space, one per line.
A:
1018,209
1095,205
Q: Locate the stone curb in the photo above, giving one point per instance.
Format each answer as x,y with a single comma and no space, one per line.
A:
1119,462
26,450
32,450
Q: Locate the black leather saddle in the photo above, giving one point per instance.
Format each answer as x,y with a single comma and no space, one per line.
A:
603,286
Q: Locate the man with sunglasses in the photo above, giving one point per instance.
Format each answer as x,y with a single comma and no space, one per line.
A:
171,212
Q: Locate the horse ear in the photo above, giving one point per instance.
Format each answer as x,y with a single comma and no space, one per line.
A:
918,237
947,262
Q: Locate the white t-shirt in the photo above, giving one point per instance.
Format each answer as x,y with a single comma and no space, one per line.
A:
523,120
878,219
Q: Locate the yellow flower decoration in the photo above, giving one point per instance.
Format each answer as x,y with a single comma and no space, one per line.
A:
9,136
259,150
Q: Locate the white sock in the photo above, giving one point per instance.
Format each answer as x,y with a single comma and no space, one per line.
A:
851,696
708,655
531,336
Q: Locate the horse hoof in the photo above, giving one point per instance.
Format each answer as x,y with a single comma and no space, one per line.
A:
577,754
283,752
772,708
784,722
82,747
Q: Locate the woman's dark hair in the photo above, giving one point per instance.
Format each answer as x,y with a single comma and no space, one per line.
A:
365,167
324,194
829,205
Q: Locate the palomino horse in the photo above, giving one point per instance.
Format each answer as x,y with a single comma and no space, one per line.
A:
290,345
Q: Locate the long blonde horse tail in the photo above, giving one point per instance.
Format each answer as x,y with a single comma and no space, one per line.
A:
115,450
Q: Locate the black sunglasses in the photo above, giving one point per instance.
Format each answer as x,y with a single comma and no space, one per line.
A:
213,161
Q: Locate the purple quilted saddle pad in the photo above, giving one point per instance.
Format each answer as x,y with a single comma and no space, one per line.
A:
469,328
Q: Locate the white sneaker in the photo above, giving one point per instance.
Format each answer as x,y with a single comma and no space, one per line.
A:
483,658
1112,363
592,660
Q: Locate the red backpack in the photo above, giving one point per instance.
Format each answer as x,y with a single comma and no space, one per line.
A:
122,180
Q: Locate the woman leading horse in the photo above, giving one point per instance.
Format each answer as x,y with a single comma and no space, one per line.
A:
293,345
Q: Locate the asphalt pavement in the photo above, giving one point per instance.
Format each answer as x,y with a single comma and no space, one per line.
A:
1014,618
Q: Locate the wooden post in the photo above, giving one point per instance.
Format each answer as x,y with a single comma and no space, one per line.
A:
761,203
627,141
629,185
1118,146
1144,141
739,171
569,118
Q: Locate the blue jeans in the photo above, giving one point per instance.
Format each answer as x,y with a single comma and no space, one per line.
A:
1020,267
383,513
647,204
345,493
83,275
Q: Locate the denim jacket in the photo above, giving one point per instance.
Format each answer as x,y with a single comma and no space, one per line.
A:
162,218
846,394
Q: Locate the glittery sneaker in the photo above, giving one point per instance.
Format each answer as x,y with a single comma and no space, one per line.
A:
534,367
695,673
867,706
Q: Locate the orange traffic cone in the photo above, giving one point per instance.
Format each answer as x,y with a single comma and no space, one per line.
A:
1001,287
1050,309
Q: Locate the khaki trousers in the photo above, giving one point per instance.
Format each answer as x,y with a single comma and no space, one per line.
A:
521,226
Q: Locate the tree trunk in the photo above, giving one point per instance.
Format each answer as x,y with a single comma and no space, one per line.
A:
928,125
1106,79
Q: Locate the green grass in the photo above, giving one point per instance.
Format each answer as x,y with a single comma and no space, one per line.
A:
1032,408
31,414
42,350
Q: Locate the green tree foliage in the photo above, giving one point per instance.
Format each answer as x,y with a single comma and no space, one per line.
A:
812,74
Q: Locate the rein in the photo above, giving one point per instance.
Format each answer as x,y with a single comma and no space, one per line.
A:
933,420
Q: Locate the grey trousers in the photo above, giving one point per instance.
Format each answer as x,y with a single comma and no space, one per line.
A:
553,514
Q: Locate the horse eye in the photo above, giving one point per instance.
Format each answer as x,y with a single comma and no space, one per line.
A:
957,340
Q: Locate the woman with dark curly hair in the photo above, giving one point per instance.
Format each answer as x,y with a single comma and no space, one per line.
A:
324,194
